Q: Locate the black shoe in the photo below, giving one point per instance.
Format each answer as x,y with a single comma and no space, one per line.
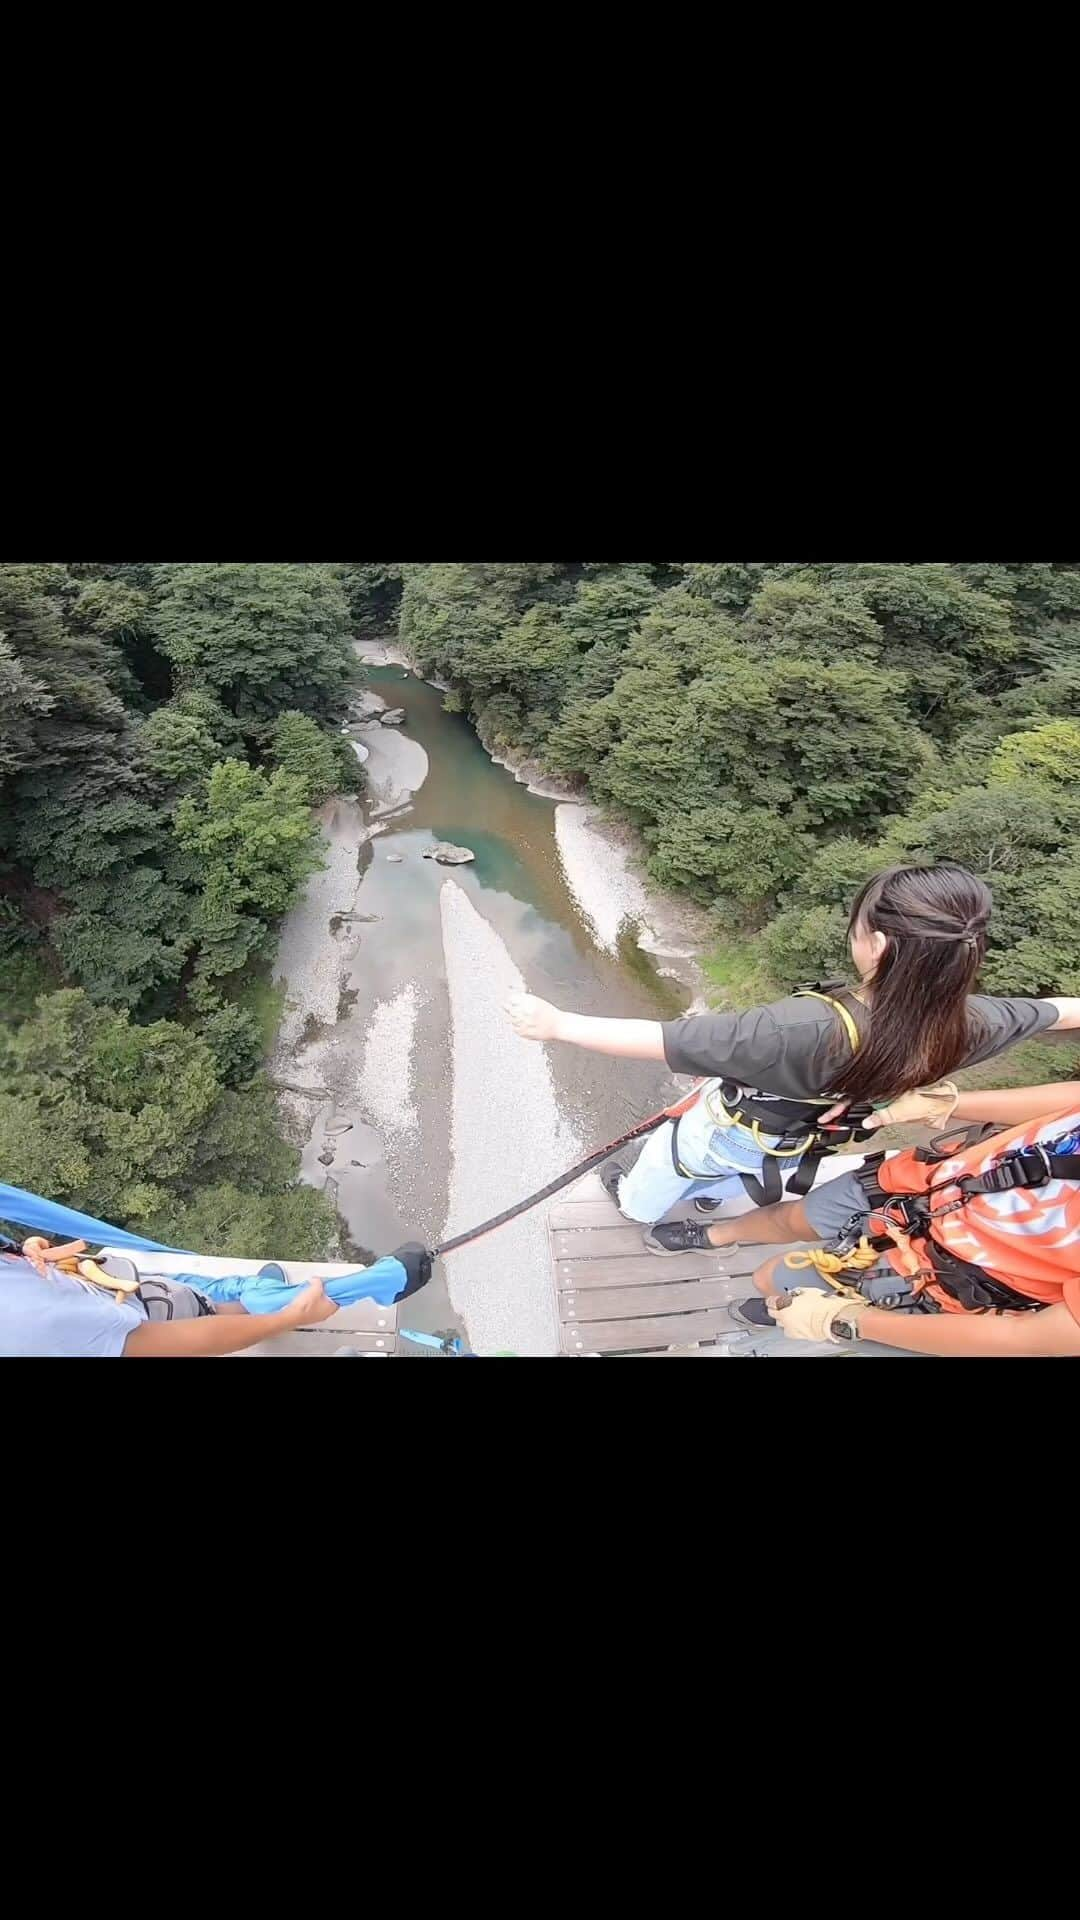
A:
707,1206
681,1236
610,1177
752,1313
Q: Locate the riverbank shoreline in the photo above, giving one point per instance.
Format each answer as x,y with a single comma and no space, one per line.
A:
603,859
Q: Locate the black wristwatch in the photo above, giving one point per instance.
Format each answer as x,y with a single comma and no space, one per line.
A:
846,1329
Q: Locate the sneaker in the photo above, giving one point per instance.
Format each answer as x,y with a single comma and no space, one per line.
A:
752,1313
681,1236
707,1206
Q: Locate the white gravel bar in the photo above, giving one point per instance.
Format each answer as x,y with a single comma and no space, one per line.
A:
506,1139
396,768
308,961
598,875
386,1076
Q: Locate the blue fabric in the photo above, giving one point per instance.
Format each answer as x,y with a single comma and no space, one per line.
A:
59,1317
46,1216
262,1293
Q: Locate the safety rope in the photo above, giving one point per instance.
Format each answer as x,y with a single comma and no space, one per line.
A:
573,1173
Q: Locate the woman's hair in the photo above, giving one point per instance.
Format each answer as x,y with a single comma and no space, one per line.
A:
934,920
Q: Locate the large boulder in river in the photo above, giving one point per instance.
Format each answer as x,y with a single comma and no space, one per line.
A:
448,855
393,717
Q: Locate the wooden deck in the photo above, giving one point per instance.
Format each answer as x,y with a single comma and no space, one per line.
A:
614,1297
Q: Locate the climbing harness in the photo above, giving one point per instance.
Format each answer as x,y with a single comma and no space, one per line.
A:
791,1124
982,1220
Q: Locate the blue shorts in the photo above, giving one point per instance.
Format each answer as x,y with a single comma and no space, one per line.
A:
654,1184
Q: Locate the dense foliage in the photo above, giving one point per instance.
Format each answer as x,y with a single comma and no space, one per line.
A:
777,732
164,734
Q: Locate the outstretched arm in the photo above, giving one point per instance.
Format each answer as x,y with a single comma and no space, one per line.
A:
226,1333
1068,1014
537,1019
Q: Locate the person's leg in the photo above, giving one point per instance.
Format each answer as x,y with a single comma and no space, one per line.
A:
775,1277
653,1185
826,1213
174,1299
788,1220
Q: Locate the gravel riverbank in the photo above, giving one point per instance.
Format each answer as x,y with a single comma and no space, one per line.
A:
507,1138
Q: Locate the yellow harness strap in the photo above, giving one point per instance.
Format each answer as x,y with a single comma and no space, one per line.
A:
838,1007
723,1117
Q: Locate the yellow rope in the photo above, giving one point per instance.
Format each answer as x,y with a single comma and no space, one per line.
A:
831,1265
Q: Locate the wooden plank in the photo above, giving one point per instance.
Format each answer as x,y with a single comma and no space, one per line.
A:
746,1260
626,1303
596,1243
624,1336
647,1270
585,1213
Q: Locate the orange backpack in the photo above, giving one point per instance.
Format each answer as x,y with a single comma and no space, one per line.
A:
984,1219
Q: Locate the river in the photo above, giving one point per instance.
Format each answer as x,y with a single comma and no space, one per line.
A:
416,1104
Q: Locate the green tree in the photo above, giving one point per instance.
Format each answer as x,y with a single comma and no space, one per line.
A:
98,1113
179,747
1050,754
262,638
224,1219
252,842
300,747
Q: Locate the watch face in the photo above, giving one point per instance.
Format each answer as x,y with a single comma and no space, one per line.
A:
844,1329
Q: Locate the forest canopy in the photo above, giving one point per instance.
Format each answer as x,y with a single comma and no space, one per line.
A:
165,731
778,732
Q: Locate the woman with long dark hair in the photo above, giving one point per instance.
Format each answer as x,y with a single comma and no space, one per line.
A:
760,1122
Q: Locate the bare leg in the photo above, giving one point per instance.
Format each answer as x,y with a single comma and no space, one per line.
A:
765,1226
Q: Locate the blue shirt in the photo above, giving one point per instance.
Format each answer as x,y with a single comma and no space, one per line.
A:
60,1316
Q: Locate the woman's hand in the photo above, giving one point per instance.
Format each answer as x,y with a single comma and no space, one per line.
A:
531,1018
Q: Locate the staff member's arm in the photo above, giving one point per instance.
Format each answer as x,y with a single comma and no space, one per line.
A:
940,1106
1013,1105
1053,1332
226,1332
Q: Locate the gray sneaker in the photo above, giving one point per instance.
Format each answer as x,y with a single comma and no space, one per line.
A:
682,1236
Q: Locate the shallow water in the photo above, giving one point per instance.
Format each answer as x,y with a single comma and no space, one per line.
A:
368,1025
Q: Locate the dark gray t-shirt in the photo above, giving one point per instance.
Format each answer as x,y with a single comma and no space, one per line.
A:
795,1046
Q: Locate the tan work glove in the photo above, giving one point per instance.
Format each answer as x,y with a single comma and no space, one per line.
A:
932,1106
811,1314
